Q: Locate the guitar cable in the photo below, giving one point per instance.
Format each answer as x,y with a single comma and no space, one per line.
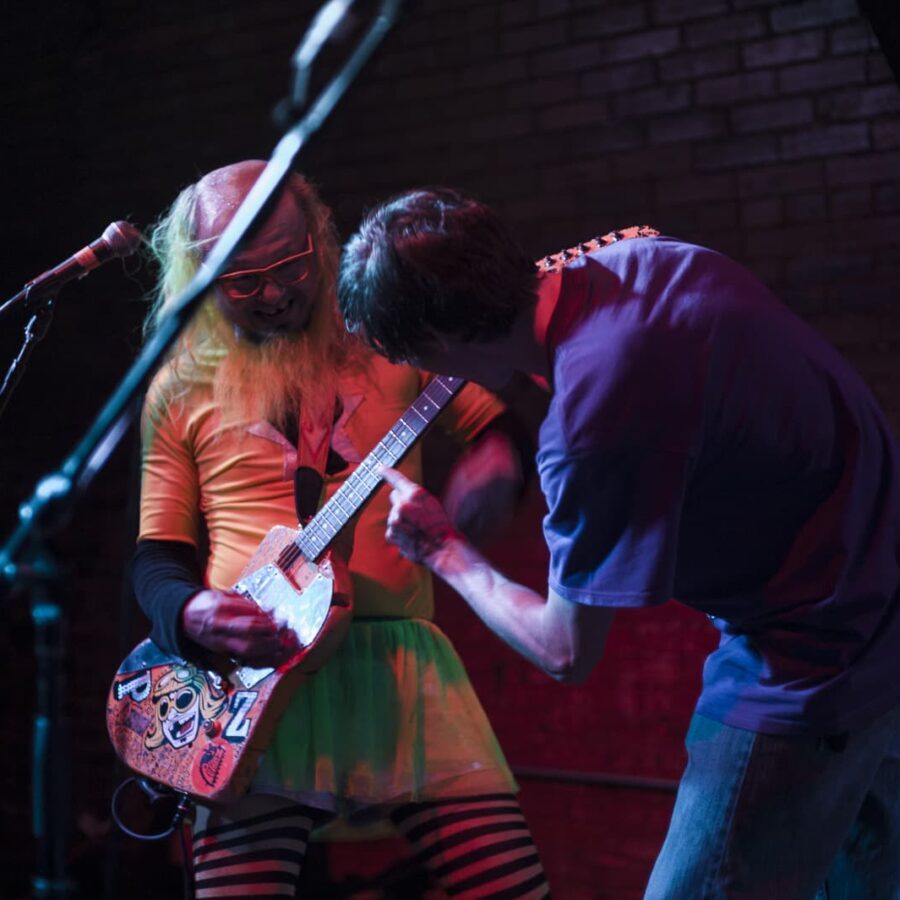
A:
155,792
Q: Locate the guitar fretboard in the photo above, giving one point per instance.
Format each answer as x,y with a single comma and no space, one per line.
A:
349,498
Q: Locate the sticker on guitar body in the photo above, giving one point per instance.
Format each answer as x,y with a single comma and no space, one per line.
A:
186,703
183,698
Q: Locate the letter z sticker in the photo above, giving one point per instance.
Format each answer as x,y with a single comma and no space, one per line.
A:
238,727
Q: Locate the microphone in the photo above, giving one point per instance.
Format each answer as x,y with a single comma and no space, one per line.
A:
118,240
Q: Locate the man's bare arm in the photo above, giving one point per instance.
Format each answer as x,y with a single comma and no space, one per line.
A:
563,639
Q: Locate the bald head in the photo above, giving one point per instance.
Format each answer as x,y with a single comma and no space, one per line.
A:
218,195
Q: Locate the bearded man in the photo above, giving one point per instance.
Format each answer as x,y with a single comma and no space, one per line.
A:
389,726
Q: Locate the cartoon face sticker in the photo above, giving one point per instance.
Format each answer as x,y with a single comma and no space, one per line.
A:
183,698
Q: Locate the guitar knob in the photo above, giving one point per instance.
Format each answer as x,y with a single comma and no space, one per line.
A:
211,729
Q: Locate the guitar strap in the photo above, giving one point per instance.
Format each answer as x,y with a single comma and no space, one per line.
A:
313,441
555,262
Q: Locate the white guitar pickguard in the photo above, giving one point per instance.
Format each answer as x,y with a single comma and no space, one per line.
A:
303,612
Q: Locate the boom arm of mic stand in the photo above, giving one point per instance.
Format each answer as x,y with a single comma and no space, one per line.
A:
324,25
55,494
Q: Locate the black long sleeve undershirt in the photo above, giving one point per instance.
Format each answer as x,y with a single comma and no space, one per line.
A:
165,575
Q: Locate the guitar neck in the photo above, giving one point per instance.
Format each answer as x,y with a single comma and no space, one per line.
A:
350,497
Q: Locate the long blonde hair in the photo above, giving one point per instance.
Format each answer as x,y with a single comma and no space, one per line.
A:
209,340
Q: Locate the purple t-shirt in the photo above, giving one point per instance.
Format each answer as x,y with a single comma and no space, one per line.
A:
703,443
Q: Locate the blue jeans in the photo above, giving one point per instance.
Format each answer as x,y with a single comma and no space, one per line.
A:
770,817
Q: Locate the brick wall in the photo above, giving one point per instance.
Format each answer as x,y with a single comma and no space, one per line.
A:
770,131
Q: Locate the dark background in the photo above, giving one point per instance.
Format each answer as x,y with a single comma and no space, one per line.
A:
769,131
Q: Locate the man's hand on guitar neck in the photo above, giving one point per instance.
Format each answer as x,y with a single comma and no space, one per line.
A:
233,626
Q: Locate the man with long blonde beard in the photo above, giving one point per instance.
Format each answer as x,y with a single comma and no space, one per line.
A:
389,727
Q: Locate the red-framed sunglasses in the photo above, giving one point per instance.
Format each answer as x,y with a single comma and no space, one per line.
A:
248,283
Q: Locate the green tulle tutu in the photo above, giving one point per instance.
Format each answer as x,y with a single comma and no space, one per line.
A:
391,717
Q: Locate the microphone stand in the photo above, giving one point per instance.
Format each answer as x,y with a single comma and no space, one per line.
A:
25,562
35,330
